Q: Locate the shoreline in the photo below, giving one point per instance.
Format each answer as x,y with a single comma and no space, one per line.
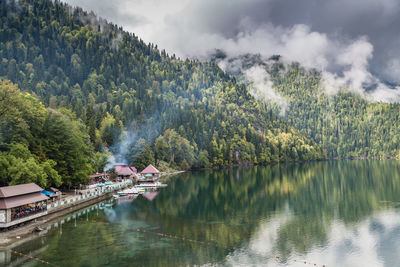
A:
167,174
16,233
298,161
13,235
10,236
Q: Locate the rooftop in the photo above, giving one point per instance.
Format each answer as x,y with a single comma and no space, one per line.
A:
17,190
16,201
133,169
125,171
150,169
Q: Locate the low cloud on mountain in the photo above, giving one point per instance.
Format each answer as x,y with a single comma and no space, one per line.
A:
353,42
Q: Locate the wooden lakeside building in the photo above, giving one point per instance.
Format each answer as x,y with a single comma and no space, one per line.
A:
122,170
149,174
21,203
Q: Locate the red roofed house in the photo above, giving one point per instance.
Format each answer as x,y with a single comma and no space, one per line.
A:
150,174
123,171
21,203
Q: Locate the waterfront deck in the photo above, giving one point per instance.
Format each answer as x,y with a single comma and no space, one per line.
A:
85,195
70,200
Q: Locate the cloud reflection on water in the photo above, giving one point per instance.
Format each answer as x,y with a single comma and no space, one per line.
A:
374,242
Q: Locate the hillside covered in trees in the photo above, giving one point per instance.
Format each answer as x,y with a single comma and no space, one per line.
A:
82,89
345,124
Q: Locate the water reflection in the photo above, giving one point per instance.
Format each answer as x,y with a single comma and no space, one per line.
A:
372,242
338,213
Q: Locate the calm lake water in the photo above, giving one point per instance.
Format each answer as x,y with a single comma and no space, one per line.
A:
335,213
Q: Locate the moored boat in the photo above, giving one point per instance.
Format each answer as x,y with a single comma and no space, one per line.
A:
122,193
155,184
131,191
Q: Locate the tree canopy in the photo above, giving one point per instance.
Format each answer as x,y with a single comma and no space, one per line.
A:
45,146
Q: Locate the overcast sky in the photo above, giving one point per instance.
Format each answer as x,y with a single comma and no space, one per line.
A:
356,41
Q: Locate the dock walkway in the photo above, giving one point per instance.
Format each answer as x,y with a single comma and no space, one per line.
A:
86,195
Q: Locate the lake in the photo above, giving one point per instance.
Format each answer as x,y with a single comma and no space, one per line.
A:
333,213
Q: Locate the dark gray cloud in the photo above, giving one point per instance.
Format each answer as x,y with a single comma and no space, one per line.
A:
354,42
378,20
110,10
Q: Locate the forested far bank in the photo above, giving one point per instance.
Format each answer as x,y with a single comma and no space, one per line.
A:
345,124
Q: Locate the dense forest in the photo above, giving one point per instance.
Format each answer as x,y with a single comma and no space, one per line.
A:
77,89
345,124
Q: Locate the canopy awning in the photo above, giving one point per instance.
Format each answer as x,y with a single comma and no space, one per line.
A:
47,193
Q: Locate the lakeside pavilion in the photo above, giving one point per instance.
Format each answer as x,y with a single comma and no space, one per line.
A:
150,174
21,203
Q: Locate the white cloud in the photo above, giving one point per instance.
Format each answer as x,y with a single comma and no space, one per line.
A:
354,61
392,69
262,87
346,245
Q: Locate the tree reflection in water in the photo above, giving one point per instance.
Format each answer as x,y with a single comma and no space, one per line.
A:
335,212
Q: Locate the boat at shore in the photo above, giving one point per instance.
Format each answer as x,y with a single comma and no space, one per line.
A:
148,185
129,191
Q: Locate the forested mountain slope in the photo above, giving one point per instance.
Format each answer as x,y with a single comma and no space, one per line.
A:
110,84
345,124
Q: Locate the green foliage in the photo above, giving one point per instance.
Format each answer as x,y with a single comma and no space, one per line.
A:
143,158
99,160
110,130
52,175
173,148
26,171
160,148
203,161
20,166
46,147
67,143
